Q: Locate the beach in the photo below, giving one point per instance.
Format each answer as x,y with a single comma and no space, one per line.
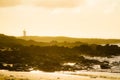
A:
39,75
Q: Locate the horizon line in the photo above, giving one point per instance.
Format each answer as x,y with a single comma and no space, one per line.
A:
59,36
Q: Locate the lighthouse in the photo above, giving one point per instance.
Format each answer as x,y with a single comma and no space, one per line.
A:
24,33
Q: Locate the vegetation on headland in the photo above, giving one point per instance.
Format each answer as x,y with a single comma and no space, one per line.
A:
10,41
24,55
60,39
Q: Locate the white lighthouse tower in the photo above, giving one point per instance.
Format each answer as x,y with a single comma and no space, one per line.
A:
24,33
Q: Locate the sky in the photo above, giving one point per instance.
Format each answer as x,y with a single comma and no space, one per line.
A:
72,18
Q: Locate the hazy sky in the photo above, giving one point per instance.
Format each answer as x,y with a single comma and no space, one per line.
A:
74,18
